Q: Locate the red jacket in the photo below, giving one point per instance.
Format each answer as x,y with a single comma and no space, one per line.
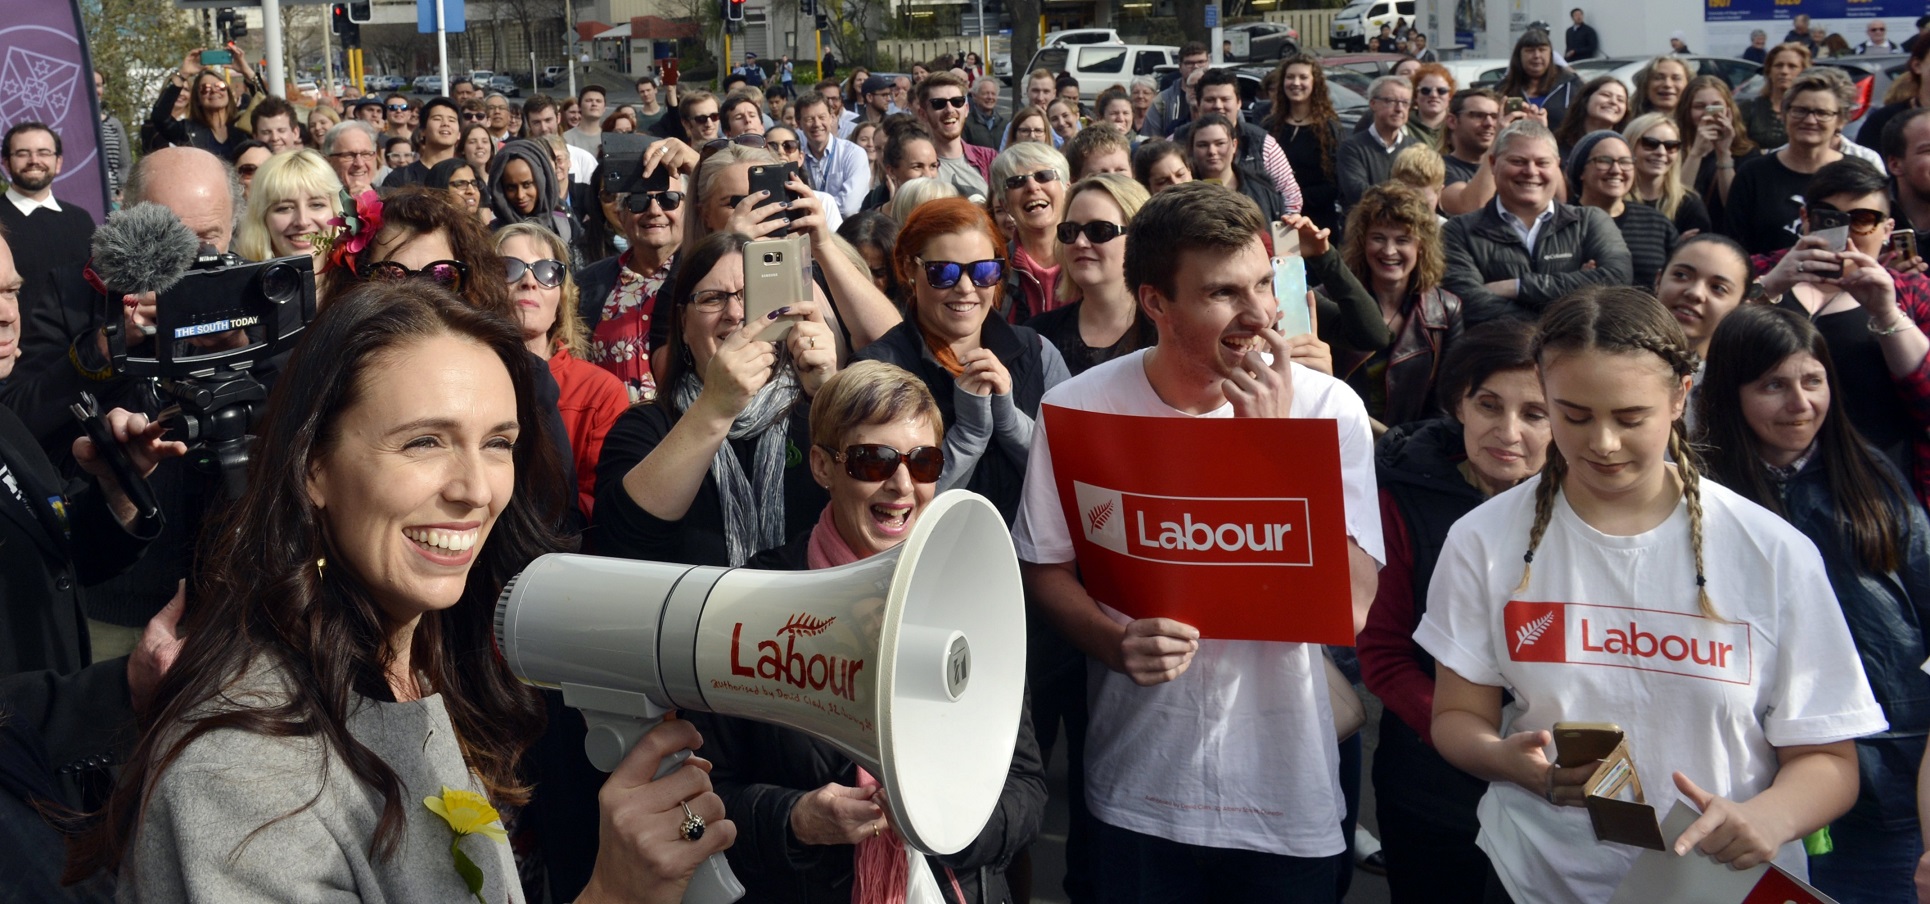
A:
590,399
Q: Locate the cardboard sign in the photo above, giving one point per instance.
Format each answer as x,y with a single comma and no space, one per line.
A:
1660,877
1236,526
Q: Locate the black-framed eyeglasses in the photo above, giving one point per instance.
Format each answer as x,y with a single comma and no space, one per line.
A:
876,462
711,301
1798,114
461,184
548,271
940,103
639,202
1043,177
1606,162
1653,144
448,274
946,274
1097,232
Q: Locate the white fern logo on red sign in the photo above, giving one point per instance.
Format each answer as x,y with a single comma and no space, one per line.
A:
1527,634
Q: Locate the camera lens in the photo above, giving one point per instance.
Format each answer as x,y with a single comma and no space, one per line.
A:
281,283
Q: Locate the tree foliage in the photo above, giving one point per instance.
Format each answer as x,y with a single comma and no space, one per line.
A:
136,45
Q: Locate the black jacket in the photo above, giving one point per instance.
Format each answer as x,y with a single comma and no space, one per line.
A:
762,770
999,476
1889,619
1582,42
47,555
1481,248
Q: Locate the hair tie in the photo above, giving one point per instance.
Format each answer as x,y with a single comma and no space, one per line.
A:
1528,558
1699,581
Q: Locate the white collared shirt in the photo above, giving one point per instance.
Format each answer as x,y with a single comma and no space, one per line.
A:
1399,137
28,205
1527,231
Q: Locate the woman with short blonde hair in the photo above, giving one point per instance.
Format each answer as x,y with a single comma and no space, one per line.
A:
294,196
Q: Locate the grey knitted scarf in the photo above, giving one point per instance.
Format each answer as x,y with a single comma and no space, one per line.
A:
753,503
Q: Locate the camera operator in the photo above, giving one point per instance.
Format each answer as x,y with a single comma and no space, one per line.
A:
63,353
59,709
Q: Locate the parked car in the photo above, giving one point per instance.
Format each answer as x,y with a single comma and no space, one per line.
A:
1266,41
1081,36
554,74
1477,73
386,83
428,84
1101,66
1361,20
506,85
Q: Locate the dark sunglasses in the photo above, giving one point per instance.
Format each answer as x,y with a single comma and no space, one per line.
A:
1433,91
397,108
946,274
1862,220
246,170
704,118
1043,177
748,139
475,117
940,103
788,147
1650,144
548,272
447,274
1097,232
639,201
876,462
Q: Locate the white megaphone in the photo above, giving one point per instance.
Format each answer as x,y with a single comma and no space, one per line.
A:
912,662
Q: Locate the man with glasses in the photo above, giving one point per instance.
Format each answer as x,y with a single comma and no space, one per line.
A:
877,99
700,117
617,296
984,126
1514,257
833,94
1367,157
941,105
1876,38
45,235
350,149
499,117
441,132
1474,117
1171,108
1219,92
834,166
1237,799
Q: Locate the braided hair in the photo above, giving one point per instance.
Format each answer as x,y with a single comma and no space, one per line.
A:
1619,320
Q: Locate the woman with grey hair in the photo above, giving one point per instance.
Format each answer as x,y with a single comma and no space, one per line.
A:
1764,212
1032,175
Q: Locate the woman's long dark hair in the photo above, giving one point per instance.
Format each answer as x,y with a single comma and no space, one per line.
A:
1320,107
261,600
1752,340
1517,83
691,270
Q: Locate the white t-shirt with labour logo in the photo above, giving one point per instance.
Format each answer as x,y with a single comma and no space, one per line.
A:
1239,752
1609,630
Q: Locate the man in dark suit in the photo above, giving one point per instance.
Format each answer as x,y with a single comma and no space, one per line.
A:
46,235
1582,42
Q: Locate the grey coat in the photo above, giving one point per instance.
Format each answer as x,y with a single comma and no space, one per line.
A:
193,842
1481,248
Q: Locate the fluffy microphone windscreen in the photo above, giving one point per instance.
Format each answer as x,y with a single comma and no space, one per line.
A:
143,248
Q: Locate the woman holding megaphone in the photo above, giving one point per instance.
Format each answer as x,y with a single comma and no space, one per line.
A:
336,727
812,823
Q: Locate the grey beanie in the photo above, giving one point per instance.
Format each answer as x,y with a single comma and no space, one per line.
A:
1578,158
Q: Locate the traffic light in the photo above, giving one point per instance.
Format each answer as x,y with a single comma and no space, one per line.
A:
823,20
230,25
734,10
344,25
338,18
359,12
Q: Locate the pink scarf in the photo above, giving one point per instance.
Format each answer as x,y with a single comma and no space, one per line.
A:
828,549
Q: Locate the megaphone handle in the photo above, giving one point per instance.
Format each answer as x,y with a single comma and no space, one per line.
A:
713,883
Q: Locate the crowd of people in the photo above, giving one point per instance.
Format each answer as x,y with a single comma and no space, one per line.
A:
1581,342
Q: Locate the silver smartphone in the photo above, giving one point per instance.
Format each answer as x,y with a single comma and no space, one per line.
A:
777,273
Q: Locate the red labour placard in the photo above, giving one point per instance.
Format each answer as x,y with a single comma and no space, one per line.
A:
1235,526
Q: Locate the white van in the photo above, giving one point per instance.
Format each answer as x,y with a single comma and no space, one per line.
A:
1362,19
1101,66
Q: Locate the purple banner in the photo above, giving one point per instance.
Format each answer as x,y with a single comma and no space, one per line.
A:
47,76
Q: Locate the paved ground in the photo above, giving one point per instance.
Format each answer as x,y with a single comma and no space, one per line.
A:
1048,853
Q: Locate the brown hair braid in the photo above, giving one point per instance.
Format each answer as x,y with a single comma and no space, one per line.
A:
1619,320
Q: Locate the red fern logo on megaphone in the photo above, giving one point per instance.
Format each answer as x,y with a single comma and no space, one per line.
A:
817,671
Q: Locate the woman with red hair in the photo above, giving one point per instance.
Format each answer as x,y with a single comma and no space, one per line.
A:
987,375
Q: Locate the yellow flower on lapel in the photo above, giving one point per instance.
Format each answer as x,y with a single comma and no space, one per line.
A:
467,813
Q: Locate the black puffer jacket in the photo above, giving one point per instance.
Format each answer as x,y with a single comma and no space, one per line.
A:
761,771
1482,248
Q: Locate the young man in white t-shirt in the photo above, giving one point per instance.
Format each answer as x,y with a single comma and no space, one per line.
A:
1211,765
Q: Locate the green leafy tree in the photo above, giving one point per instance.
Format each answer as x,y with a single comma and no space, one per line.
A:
137,44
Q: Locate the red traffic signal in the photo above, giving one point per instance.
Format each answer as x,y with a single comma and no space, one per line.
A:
734,10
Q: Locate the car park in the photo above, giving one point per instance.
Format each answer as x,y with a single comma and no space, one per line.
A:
1349,105
428,84
1101,66
1360,22
1732,71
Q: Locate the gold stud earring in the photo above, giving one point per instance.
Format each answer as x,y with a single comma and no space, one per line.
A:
321,568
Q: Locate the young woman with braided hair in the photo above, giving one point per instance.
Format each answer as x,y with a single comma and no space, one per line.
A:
1647,597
